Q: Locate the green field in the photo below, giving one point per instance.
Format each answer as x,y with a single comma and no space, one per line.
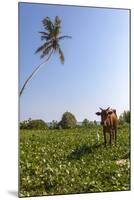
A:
71,161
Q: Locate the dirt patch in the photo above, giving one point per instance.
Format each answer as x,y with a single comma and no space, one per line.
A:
123,162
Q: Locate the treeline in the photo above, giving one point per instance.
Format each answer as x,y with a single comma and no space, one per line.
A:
68,120
125,117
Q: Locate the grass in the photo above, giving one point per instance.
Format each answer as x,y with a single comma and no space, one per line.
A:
71,161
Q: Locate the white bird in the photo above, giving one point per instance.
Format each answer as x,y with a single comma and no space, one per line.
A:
97,136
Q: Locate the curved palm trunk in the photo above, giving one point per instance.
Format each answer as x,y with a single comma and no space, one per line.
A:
34,72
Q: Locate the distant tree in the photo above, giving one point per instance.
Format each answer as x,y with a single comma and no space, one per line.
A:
121,120
85,123
54,125
91,124
33,124
124,117
24,124
95,122
52,37
68,120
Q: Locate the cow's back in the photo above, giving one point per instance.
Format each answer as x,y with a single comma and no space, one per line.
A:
113,121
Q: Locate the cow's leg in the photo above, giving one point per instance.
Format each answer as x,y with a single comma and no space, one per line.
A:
111,133
104,133
115,132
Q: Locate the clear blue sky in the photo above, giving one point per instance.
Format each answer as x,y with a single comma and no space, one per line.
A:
96,69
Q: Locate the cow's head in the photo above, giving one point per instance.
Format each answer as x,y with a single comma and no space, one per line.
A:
104,114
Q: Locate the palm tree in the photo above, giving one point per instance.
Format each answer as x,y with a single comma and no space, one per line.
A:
52,37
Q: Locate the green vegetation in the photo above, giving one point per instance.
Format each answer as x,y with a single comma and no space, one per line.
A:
54,125
68,120
85,123
30,124
71,161
124,117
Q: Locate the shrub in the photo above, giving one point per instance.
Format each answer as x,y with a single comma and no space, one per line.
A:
33,124
85,123
54,125
124,117
68,120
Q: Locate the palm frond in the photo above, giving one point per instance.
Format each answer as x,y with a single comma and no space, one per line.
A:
43,37
64,36
57,21
44,33
57,31
46,51
48,25
43,47
61,55
57,26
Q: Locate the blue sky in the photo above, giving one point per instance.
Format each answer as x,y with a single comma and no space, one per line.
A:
96,69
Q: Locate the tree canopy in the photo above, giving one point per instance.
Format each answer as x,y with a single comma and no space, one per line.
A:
125,117
33,124
68,120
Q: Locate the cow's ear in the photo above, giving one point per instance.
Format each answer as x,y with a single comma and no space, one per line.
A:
110,112
98,113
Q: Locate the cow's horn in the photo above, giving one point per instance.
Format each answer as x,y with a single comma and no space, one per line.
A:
108,108
100,108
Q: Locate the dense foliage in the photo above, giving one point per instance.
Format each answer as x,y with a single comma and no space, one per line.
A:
33,124
68,120
54,125
71,161
124,117
85,123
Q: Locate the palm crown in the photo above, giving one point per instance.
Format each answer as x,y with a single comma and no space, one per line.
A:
52,37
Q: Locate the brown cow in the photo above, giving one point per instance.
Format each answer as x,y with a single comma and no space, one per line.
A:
109,122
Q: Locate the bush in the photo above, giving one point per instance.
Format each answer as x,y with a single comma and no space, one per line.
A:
68,120
33,124
54,125
85,123
124,117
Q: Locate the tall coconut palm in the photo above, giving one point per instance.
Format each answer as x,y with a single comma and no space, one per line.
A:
52,36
